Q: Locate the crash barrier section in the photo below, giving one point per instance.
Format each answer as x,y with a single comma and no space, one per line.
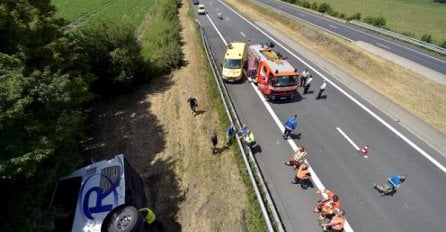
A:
398,36
263,196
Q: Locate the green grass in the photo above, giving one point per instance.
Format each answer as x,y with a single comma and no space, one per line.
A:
81,11
417,17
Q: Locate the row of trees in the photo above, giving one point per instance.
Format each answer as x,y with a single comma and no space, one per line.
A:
46,76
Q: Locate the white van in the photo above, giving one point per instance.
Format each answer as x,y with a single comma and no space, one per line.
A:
103,196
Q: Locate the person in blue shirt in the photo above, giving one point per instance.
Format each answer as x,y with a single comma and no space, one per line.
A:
392,183
290,125
244,130
230,134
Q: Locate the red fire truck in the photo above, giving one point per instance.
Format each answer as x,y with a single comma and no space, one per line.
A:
275,77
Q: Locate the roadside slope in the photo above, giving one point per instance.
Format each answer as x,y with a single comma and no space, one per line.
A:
189,188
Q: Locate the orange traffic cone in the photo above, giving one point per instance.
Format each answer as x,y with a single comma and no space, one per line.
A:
363,151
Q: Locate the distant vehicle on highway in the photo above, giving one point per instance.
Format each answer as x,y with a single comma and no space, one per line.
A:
201,9
196,2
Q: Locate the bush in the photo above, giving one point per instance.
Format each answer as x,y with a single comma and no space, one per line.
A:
314,6
342,15
426,38
356,16
443,45
114,54
306,4
325,8
333,13
407,33
162,46
376,21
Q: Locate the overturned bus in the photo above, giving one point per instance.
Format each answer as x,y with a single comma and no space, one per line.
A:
103,196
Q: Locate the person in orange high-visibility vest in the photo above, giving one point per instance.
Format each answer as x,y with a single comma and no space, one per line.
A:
302,176
297,158
329,197
329,208
336,224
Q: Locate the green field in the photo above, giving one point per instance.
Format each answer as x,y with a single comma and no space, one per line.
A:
81,11
417,17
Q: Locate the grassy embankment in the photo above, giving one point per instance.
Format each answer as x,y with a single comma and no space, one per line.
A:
202,206
253,213
417,17
416,94
411,17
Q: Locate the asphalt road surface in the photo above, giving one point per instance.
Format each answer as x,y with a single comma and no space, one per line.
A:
352,33
417,206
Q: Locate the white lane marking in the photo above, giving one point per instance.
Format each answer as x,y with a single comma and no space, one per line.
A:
332,26
379,119
350,141
367,34
302,15
227,19
348,138
293,145
242,34
382,45
218,31
314,25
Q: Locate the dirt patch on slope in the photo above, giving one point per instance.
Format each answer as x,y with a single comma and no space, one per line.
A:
189,189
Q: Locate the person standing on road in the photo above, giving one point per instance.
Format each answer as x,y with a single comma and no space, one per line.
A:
302,176
290,125
303,77
230,134
308,84
336,224
321,89
193,105
250,140
297,158
214,142
392,183
329,208
329,196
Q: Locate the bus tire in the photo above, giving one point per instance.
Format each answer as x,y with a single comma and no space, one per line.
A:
125,218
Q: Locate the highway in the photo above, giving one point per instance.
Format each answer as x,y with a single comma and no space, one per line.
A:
328,129
352,33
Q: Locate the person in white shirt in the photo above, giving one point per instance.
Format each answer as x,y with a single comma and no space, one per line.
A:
307,84
321,89
303,77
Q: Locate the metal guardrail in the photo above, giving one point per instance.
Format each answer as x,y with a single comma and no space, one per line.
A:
234,119
398,36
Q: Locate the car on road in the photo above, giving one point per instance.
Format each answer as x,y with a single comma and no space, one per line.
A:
201,9
196,2
103,196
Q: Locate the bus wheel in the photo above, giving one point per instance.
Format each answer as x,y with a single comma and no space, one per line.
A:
125,218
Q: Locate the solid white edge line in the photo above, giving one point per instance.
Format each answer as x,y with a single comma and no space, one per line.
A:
218,31
312,24
396,132
348,138
367,34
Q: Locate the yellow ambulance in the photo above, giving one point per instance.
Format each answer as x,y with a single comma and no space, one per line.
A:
233,63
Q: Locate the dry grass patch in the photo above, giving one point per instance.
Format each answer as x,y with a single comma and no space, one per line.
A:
214,192
416,94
